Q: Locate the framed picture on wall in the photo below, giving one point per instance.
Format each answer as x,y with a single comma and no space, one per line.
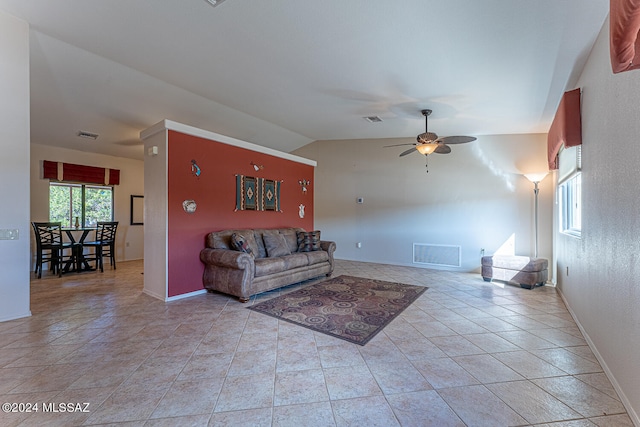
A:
137,210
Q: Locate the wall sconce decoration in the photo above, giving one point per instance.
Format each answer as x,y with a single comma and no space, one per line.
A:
195,169
189,206
303,183
256,167
301,211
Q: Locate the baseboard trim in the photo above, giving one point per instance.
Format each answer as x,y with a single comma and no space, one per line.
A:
16,317
187,295
152,294
623,398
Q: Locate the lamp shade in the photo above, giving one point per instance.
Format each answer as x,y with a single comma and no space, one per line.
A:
426,148
536,177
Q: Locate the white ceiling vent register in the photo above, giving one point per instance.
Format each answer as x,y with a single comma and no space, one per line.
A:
214,3
442,255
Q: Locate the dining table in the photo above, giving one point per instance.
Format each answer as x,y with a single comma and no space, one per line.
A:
77,262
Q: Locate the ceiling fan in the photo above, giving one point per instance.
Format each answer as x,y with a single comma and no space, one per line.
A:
429,142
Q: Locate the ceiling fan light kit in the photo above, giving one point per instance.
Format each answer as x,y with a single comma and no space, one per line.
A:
426,148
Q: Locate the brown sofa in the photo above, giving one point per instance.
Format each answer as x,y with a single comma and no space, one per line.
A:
242,274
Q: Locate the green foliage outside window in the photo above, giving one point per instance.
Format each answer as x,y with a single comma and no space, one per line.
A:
88,203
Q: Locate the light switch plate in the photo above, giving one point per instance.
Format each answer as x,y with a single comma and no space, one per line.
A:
9,234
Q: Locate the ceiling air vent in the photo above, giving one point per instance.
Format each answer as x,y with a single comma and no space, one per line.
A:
83,134
373,119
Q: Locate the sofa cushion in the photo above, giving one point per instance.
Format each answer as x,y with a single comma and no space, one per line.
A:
222,240
275,245
239,242
295,260
267,266
308,241
316,257
262,251
290,235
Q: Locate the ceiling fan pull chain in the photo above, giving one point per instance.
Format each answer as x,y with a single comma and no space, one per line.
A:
426,163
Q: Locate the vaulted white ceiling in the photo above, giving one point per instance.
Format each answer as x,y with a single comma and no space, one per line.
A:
283,73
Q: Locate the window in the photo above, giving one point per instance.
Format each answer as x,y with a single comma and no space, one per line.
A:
88,203
570,191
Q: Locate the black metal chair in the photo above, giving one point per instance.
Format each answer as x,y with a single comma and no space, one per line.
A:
104,245
50,248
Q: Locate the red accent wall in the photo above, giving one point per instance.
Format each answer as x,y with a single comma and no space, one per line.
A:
215,194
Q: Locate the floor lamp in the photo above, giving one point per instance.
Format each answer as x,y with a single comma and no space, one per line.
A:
535,178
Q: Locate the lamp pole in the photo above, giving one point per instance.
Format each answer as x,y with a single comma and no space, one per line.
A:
535,178
535,204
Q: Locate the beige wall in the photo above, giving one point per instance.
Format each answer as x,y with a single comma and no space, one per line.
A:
129,238
474,197
602,288
14,164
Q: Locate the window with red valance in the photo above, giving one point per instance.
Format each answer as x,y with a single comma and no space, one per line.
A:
69,172
624,28
566,128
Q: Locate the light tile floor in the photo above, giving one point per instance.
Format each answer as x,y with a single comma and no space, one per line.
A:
466,352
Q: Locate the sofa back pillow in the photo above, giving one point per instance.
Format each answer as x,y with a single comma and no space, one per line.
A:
308,241
290,236
275,244
239,243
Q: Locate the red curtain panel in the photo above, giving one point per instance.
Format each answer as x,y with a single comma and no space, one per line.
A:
566,127
69,172
624,26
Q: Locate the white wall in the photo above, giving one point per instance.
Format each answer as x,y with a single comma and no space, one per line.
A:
156,263
129,238
14,164
603,285
474,197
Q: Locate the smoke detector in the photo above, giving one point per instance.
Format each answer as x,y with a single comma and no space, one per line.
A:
214,3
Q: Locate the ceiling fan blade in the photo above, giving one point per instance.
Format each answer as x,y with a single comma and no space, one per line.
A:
409,151
442,149
397,145
456,139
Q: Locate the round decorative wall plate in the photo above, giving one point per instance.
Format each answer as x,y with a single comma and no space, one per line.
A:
189,206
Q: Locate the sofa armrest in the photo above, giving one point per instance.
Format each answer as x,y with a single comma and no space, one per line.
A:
227,258
328,246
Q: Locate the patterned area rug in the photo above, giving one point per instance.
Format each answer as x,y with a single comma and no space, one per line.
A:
354,309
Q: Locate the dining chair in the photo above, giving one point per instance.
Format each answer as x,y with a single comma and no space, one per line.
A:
104,244
50,248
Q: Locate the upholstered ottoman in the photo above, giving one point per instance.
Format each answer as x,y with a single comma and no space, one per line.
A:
528,272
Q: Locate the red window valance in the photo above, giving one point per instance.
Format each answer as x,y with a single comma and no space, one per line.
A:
68,172
566,127
624,28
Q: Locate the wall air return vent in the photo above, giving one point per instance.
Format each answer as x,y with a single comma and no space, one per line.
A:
437,255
